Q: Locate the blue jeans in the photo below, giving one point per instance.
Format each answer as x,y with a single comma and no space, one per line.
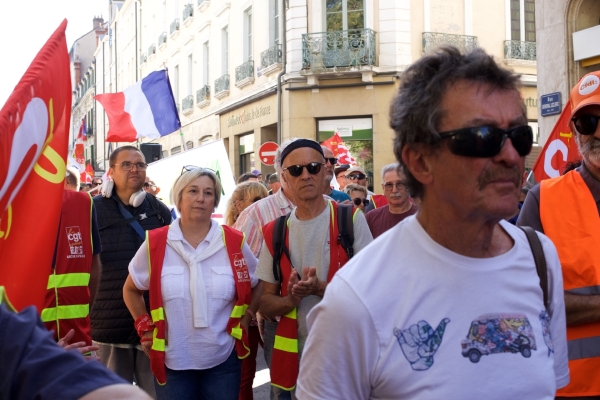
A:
220,382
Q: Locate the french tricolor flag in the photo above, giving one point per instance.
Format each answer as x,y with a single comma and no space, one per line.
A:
145,109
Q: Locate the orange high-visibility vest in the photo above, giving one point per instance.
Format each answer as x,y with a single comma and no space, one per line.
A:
284,361
67,300
570,218
157,244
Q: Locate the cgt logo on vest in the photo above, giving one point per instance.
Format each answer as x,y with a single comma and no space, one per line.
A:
75,242
589,84
240,268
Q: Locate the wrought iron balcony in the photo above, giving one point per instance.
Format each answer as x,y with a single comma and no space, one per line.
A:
174,26
351,48
431,40
517,50
162,39
188,11
187,104
270,56
244,71
151,50
222,86
143,58
203,94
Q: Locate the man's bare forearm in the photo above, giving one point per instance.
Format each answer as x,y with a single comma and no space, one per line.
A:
273,305
582,309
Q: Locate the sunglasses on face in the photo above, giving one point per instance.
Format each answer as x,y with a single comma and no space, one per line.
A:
356,176
313,168
358,200
586,124
332,160
487,141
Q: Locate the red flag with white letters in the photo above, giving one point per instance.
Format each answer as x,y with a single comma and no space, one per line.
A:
339,149
34,133
560,149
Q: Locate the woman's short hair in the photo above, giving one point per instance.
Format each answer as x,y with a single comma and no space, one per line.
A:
354,187
188,177
243,191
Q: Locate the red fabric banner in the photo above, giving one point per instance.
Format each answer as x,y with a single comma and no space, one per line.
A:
560,149
339,149
34,134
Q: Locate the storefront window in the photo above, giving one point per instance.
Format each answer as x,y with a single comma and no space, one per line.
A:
357,135
246,153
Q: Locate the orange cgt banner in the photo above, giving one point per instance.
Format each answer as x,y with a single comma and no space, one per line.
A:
34,133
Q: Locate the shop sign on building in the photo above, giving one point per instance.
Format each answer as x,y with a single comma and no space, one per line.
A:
551,104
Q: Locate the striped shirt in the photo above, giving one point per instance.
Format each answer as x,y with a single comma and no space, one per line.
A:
257,215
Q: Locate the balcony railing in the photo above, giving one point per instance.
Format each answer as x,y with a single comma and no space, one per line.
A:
143,58
517,50
222,84
270,56
203,94
151,50
351,48
431,40
246,70
174,26
187,104
162,39
188,11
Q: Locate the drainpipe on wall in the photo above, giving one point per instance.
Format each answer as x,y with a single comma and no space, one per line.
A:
283,71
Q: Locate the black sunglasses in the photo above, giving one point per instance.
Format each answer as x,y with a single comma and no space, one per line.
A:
487,141
313,168
586,124
358,200
356,176
332,160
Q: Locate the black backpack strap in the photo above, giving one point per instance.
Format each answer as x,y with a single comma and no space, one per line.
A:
345,214
540,260
154,204
279,245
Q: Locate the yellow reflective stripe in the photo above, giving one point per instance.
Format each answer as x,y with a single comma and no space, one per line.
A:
239,311
355,214
158,314
292,314
148,251
157,344
236,332
4,300
243,240
331,212
65,312
286,344
68,280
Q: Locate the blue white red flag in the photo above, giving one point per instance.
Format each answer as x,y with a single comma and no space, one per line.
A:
146,109
83,129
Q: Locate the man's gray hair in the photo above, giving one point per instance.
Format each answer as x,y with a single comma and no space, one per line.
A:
388,168
416,111
188,177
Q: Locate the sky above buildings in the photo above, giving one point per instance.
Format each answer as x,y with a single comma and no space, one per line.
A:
26,25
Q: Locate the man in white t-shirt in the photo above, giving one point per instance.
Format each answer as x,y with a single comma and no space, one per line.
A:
450,306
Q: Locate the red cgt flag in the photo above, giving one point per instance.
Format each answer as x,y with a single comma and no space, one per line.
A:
339,149
34,133
560,148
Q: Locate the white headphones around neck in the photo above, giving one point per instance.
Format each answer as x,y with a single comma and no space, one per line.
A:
135,200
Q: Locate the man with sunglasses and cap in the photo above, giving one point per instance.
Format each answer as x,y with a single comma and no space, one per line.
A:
566,209
454,282
297,280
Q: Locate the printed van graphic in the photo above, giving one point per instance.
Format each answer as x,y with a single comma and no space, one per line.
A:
498,333
420,342
75,242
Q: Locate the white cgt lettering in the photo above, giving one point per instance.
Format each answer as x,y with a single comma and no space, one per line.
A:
554,147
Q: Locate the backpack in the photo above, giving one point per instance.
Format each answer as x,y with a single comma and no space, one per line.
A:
345,212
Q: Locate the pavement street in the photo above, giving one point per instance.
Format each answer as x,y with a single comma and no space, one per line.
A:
262,384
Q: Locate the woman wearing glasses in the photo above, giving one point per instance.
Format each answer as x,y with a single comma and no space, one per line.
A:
203,294
244,194
358,194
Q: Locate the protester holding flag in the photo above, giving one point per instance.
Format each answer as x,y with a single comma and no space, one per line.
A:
200,277
125,212
566,209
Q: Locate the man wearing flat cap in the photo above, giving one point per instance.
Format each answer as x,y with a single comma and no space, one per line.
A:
566,209
297,280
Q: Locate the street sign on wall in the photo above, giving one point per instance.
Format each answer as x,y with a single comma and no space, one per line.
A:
551,104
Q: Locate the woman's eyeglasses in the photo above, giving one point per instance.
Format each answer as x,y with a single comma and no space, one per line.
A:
357,201
586,124
313,168
487,141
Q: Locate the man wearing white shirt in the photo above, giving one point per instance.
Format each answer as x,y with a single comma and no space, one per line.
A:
451,305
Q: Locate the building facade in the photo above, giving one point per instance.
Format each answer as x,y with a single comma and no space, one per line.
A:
340,61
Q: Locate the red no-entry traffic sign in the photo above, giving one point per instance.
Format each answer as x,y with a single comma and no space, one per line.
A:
267,153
